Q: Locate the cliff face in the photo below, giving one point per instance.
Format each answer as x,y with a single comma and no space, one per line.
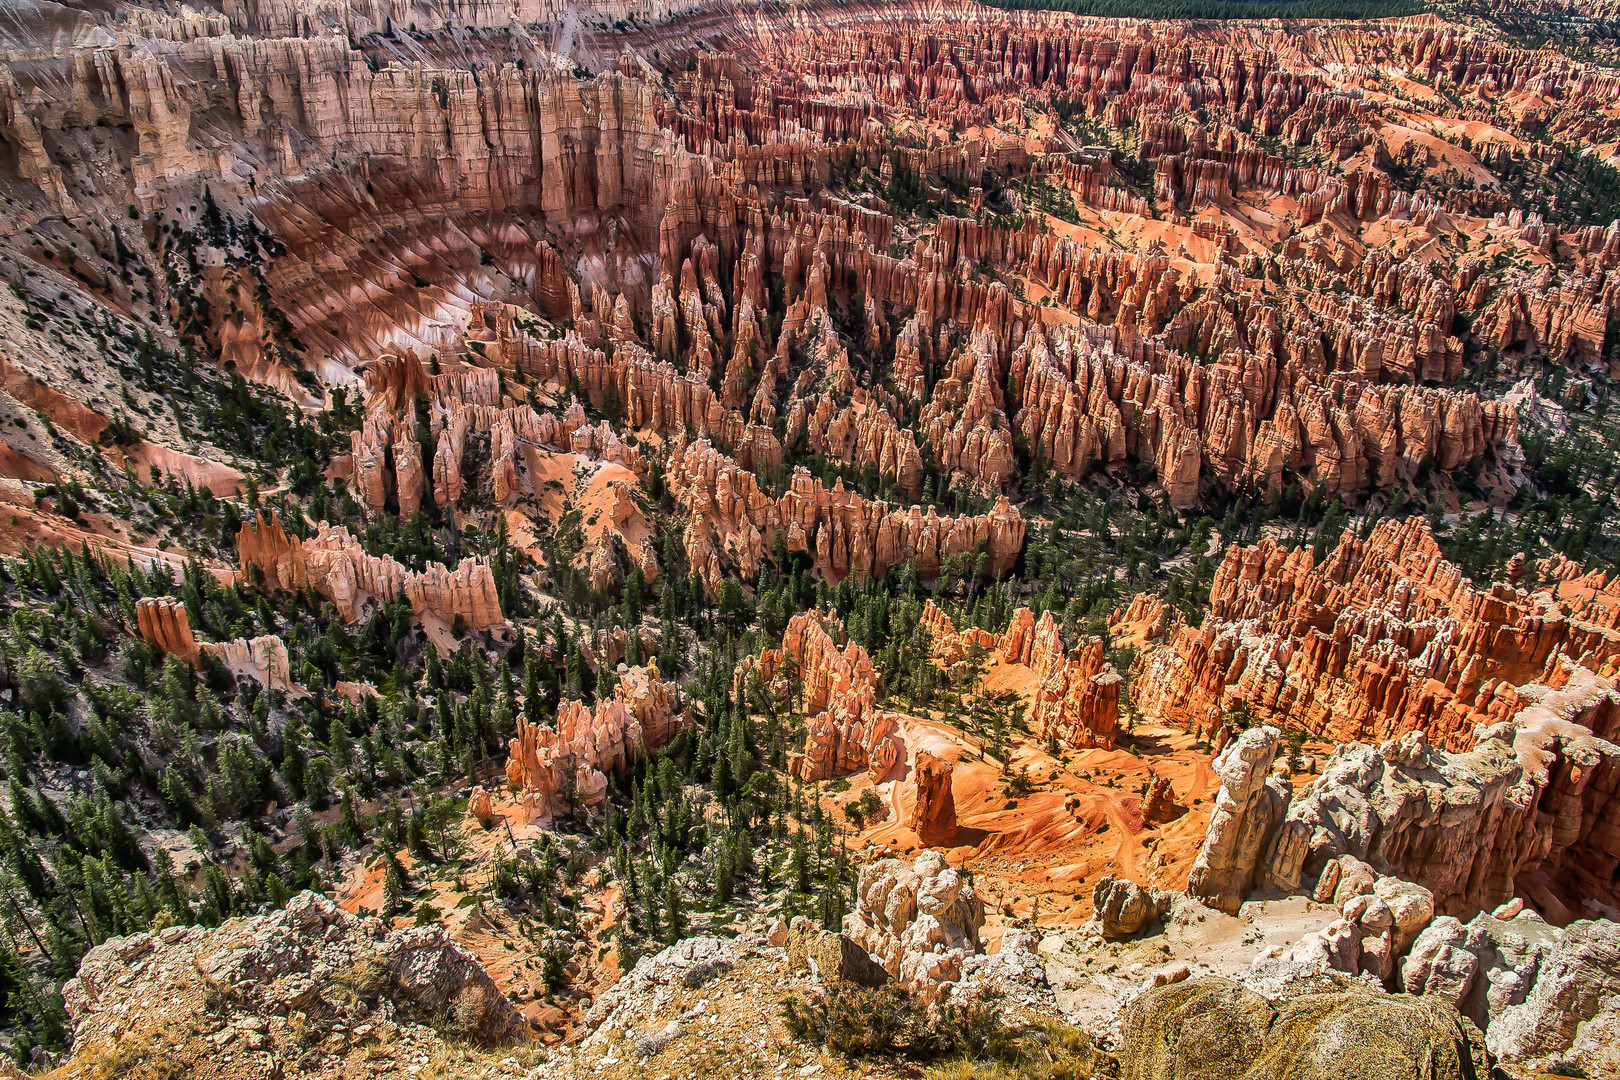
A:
1383,638
1522,811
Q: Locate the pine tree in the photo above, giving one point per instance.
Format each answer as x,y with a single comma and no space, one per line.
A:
352,826
674,911
393,886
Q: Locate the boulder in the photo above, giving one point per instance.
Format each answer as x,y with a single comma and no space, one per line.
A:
831,956
1120,907
1212,1029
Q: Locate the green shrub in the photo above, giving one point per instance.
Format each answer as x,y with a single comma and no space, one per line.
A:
855,1021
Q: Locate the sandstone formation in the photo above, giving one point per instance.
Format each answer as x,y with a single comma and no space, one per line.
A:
1120,907
847,731
263,659
1524,812
557,770
920,922
949,647
481,807
1159,806
166,624
1078,700
1384,637
734,523
1247,809
933,817
464,407
333,565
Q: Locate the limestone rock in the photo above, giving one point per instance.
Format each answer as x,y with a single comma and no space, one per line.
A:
1460,825
919,922
1121,907
832,956
1443,963
334,564
734,522
1160,805
1579,979
265,966
555,771
1383,637
1247,810
263,658
847,730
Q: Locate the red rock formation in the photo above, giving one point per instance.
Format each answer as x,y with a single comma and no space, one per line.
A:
333,564
947,646
166,624
734,522
933,817
1146,615
1244,418
862,433
481,806
1383,638
847,730
1567,323
1077,703
1077,693
556,770
1160,804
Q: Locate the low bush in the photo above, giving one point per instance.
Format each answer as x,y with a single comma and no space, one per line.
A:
969,1040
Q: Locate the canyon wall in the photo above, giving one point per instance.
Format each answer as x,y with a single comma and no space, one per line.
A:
1524,811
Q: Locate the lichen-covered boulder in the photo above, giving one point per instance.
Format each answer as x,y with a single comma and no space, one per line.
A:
1212,1029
